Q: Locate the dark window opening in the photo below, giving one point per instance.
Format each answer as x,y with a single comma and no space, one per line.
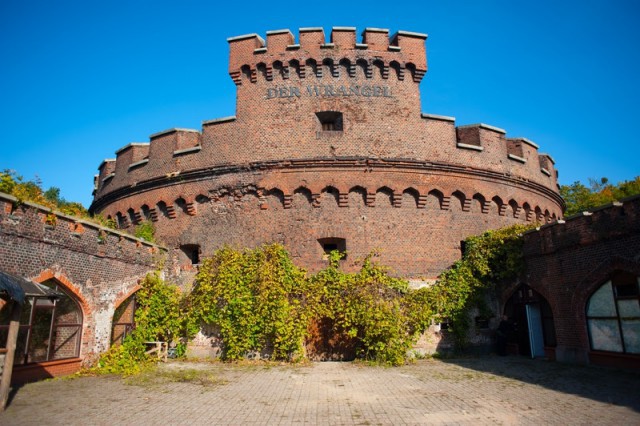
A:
463,248
626,290
333,244
482,322
192,251
330,121
330,247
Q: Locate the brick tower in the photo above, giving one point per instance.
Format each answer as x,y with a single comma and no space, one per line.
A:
329,149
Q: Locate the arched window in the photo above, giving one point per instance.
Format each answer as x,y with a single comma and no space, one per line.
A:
50,329
123,320
613,315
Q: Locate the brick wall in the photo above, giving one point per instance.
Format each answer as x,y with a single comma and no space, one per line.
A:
567,261
393,178
99,266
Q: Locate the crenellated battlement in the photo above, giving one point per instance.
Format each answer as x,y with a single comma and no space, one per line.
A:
178,152
185,153
280,56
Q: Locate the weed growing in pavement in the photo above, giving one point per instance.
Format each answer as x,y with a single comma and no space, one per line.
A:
155,377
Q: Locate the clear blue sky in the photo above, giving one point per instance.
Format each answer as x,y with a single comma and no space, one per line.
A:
80,79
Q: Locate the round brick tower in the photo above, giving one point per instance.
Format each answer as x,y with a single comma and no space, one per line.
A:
329,149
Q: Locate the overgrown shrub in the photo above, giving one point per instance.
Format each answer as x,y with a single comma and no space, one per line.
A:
380,312
160,316
262,302
31,190
256,297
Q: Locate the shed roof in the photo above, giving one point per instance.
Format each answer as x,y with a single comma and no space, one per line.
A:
18,288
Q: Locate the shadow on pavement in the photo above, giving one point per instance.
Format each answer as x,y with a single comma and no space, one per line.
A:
608,385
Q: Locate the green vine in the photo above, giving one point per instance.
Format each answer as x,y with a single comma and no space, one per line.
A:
146,231
256,297
160,316
489,260
262,302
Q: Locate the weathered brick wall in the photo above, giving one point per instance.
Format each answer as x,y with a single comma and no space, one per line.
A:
566,262
419,233
460,181
100,266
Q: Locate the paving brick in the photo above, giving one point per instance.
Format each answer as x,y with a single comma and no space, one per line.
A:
483,391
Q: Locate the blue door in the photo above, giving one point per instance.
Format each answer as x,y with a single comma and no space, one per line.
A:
536,339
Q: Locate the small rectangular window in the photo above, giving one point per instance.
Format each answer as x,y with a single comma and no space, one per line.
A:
192,251
331,244
330,121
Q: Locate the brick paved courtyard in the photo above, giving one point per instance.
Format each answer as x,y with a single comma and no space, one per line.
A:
488,390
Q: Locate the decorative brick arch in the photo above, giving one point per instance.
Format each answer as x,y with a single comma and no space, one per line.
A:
595,278
510,290
124,296
48,274
87,338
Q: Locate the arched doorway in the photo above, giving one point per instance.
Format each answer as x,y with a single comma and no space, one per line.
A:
534,333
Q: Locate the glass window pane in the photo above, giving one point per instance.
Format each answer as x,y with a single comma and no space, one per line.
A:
629,308
605,335
65,342
40,335
25,315
601,303
631,333
20,344
67,312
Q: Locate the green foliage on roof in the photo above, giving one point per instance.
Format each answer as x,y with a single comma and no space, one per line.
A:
31,190
580,197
